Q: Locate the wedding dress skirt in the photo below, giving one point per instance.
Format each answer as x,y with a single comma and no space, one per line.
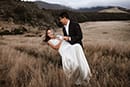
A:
74,62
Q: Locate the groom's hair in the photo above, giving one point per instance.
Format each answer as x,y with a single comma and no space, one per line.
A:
64,14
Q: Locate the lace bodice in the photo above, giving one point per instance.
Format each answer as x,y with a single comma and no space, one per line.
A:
54,41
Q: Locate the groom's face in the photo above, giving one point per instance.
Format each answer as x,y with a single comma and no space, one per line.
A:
63,20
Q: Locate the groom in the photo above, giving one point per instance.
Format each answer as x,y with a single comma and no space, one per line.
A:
71,30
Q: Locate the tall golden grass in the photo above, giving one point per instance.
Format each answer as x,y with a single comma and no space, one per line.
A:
25,63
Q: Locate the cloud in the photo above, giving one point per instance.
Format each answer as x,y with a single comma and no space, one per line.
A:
89,3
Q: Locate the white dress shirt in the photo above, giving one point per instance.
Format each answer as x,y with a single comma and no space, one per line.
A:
67,27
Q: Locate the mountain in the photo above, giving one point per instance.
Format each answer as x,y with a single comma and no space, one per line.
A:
46,5
114,10
28,12
105,9
101,9
92,9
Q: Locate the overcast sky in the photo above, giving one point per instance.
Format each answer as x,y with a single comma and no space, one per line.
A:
88,3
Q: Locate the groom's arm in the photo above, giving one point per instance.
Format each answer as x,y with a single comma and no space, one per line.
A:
78,33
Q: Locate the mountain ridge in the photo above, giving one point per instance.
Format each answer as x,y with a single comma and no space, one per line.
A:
46,5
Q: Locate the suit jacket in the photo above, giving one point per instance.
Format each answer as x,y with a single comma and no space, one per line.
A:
75,33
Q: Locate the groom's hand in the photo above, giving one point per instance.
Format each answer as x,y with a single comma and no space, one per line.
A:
67,38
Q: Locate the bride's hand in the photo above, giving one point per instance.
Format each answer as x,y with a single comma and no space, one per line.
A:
60,37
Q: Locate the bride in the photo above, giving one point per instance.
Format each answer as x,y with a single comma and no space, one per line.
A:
74,61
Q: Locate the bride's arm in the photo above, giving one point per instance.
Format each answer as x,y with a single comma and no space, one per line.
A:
55,46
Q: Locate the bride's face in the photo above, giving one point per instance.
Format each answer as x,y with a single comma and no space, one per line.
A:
50,33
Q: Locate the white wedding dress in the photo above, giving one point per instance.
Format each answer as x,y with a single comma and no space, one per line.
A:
74,62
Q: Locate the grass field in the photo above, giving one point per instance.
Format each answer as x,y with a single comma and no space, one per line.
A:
26,62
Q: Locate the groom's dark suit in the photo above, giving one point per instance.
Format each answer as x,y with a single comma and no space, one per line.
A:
74,32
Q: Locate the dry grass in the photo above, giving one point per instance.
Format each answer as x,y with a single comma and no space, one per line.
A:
24,62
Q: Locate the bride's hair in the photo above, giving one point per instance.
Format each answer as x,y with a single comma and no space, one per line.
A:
47,38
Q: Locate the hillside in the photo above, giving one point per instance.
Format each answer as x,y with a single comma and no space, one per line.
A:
29,12
16,12
44,5
24,12
113,10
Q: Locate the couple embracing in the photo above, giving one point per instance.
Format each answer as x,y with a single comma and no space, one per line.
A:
70,48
